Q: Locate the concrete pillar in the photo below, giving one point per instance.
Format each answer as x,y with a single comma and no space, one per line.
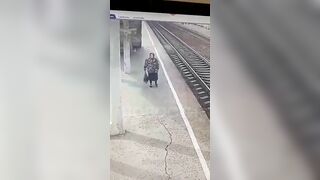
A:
115,79
126,47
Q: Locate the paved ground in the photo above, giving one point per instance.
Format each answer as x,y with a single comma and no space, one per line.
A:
157,144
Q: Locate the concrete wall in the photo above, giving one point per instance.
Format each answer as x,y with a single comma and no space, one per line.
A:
115,79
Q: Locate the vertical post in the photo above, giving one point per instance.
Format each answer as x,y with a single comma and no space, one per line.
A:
115,79
126,47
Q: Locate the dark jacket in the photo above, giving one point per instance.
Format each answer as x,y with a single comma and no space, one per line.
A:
151,65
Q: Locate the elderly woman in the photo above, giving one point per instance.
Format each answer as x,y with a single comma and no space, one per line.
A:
151,66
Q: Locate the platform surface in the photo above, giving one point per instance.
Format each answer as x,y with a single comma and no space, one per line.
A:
152,120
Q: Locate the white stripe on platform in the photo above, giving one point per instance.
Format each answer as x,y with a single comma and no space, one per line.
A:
183,115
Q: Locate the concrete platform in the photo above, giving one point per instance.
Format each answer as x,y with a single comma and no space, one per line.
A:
157,144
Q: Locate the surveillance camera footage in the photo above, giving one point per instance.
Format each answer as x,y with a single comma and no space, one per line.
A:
239,102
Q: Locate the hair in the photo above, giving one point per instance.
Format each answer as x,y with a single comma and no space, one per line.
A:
152,54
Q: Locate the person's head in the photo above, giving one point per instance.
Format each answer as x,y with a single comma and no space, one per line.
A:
151,55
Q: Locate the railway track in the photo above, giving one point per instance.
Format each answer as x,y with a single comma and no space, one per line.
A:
193,67
198,42
179,29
